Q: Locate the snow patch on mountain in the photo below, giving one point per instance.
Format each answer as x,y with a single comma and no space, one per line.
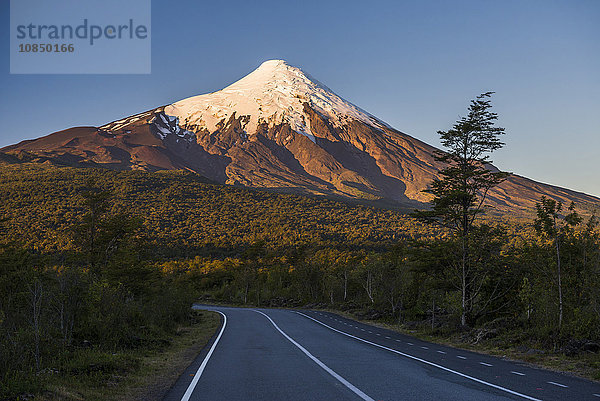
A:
120,124
164,125
274,93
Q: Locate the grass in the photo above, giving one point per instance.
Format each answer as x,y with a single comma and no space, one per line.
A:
140,374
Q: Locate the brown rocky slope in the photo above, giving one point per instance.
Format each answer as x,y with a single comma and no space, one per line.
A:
280,129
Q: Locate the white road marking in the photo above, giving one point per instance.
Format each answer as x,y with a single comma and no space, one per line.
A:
485,364
399,341
378,334
425,361
596,395
558,384
441,352
517,373
410,343
389,338
425,347
345,382
461,357
190,389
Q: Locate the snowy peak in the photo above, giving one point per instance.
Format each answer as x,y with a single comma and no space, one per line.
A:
254,133
274,93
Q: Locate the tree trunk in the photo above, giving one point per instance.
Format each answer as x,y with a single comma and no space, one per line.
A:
560,297
345,284
369,287
463,316
36,309
400,309
433,314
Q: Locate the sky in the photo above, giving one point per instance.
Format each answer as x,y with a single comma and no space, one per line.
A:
413,64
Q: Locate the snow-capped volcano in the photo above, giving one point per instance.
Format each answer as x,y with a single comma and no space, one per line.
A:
277,128
275,93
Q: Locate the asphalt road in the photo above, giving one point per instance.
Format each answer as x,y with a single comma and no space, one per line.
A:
271,354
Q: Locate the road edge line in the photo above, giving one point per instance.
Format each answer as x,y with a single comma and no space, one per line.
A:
339,378
192,386
424,361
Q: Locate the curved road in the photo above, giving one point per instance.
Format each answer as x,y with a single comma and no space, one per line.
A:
272,354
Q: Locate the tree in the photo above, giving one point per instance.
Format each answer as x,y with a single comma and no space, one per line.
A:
552,224
460,193
367,274
395,273
591,265
248,271
95,202
102,234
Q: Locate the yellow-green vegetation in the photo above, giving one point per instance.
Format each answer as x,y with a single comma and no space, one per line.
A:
145,374
181,214
106,262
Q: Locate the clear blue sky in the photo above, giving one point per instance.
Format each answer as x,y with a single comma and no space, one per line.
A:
414,64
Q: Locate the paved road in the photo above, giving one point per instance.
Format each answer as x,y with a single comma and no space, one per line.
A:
271,354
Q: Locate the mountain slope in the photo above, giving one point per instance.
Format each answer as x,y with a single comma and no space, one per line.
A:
277,128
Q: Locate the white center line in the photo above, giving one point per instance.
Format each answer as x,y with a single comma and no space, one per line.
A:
190,389
425,361
596,395
441,352
517,373
389,338
461,357
558,384
485,364
425,347
345,382
398,340
410,343
378,334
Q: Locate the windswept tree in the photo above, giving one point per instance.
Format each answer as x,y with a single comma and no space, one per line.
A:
459,195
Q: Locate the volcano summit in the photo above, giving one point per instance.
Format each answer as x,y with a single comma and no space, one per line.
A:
277,128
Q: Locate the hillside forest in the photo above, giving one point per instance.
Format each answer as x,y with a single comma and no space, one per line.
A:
107,260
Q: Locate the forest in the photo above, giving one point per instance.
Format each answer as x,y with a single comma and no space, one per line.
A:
107,260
